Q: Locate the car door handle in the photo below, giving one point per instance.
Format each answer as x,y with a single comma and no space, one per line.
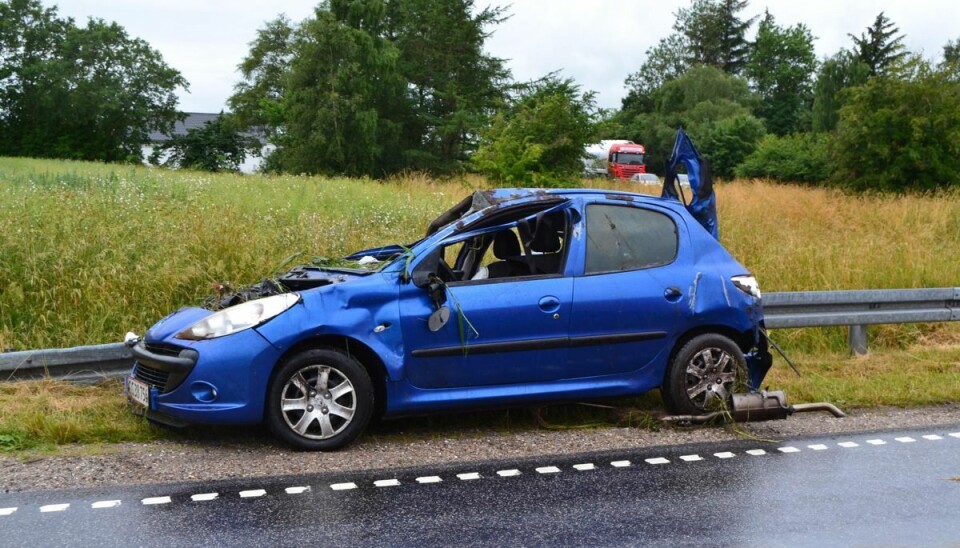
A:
549,304
672,294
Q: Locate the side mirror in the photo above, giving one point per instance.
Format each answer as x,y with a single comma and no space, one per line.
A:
426,269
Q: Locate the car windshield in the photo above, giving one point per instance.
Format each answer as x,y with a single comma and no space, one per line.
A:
631,158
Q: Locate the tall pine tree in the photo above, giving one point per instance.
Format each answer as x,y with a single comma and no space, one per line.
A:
880,48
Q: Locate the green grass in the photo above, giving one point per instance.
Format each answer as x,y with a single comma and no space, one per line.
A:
90,251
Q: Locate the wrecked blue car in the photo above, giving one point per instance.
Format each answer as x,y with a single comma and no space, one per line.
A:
513,297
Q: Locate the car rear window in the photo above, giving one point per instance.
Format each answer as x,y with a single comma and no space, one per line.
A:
628,238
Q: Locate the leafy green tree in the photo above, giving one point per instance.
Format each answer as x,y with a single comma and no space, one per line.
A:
781,69
708,32
951,53
217,146
728,141
91,92
900,133
257,100
715,34
453,87
344,95
879,48
696,101
843,70
664,62
797,158
373,86
539,139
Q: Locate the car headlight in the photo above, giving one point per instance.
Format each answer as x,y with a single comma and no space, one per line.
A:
239,317
747,284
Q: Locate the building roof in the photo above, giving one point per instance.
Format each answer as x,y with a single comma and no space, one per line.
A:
194,120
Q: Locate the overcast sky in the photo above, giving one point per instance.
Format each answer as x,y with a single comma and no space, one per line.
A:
595,42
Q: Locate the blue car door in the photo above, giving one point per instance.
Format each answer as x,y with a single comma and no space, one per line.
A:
506,326
631,291
500,332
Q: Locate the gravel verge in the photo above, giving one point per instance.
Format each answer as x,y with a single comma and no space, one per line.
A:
200,460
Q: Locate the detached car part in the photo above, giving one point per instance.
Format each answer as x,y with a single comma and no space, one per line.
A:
757,407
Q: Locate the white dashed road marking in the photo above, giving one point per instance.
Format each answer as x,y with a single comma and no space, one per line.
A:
155,500
297,490
105,504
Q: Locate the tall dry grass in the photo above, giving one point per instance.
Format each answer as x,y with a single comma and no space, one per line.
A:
89,251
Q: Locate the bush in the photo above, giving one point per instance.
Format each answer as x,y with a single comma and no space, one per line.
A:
539,140
898,134
801,158
727,142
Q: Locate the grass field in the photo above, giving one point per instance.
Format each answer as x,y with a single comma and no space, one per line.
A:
91,251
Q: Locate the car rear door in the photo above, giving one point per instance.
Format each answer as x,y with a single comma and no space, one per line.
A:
631,289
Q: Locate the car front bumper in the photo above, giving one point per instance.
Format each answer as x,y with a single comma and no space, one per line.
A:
221,381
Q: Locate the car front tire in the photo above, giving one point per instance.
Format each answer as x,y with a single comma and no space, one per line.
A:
703,375
319,400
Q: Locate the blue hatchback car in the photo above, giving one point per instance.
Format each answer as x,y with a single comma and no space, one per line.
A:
514,297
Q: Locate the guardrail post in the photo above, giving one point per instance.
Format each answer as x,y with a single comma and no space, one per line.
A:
857,339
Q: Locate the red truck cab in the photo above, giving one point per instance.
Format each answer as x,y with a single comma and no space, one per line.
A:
624,160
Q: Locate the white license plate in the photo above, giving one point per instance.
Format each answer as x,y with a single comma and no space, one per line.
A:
138,392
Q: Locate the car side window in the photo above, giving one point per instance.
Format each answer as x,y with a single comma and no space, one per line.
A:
628,238
533,249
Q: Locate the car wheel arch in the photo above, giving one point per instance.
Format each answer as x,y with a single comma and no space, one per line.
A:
365,355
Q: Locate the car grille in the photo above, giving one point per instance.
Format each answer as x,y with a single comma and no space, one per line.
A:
151,376
163,349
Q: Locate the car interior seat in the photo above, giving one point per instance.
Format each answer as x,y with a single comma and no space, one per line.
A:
546,246
506,248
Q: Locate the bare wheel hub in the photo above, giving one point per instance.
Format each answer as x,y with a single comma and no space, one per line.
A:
711,378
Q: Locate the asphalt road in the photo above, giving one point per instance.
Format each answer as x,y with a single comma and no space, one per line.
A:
886,488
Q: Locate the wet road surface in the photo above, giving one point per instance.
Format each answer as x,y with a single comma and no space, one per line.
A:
883,488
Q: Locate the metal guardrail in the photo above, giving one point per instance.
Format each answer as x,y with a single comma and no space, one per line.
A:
81,364
860,308
856,309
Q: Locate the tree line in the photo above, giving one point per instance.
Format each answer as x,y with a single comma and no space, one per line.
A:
80,92
872,116
377,87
